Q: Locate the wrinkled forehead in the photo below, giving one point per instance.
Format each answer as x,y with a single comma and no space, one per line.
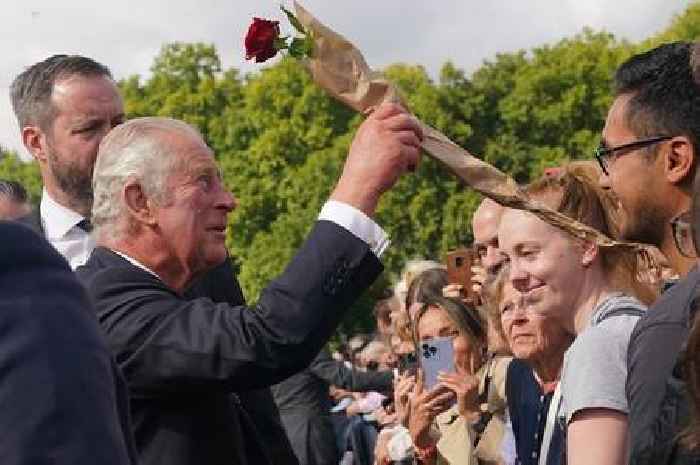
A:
191,155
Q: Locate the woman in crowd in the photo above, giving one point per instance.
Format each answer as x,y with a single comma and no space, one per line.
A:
430,282
410,272
470,430
538,342
595,294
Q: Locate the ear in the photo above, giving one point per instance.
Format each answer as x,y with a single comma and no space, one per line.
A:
679,160
590,252
139,206
34,139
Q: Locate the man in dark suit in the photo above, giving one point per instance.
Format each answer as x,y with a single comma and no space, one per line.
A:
160,217
304,405
64,106
61,391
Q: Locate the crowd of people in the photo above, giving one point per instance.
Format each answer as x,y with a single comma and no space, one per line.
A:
125,337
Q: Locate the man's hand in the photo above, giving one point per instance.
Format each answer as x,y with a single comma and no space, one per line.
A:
385,146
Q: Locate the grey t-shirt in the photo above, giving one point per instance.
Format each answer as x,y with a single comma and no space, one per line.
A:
595,366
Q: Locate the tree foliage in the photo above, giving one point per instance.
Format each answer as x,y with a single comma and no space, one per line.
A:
281,141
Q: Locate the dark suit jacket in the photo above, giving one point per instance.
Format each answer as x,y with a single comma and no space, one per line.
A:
307,391
33,221
221,285
60,393
183,358
304,405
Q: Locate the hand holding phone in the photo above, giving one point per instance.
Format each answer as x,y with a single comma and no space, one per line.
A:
459,271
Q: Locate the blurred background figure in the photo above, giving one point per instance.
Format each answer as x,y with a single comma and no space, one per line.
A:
305,405
14,202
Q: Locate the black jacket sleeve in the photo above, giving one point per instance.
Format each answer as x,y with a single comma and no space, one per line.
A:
58,398
336,373
165,342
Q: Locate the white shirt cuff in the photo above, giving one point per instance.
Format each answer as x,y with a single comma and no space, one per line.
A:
359,224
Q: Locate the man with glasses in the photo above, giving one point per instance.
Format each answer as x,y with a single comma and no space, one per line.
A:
648,157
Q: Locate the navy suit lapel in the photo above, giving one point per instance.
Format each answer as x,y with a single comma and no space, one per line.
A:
33,221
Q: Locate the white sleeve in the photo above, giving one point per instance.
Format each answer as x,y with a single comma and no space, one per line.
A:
359,224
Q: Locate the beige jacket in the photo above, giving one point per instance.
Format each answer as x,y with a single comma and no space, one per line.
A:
456,436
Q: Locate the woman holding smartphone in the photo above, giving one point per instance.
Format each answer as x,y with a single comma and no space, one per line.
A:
460,419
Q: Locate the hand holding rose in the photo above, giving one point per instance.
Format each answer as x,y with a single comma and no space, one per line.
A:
385,146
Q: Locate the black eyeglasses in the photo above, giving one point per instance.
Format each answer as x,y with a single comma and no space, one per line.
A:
683,234
604,154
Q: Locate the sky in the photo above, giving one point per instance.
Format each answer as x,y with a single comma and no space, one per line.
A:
126,35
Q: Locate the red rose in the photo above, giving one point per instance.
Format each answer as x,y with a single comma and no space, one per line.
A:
260,40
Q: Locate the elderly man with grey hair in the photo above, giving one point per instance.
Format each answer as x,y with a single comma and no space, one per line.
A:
160,216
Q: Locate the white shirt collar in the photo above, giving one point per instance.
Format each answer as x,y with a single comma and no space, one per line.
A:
57,220
136,263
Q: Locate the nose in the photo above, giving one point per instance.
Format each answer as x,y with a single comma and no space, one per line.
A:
227,201
518,276
492,259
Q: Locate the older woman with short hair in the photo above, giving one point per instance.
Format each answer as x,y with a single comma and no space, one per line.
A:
538,343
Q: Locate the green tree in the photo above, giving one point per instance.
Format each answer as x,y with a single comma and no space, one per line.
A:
281,141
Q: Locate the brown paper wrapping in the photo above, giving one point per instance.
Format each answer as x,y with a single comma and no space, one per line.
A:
339,67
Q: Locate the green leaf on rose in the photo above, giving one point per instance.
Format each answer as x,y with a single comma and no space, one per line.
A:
301,47
280,43
293,19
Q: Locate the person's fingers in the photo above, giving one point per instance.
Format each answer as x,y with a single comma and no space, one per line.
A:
404,122
452,378
419,382
387,110
443,399
452,291
407,387
411,157
408,138
436,392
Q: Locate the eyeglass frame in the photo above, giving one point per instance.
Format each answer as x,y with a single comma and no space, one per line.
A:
676,222
601,152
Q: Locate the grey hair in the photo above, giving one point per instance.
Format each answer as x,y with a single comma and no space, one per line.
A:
13,190
133,151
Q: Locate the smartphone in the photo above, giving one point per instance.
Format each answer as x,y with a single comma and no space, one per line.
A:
459,271
436,355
